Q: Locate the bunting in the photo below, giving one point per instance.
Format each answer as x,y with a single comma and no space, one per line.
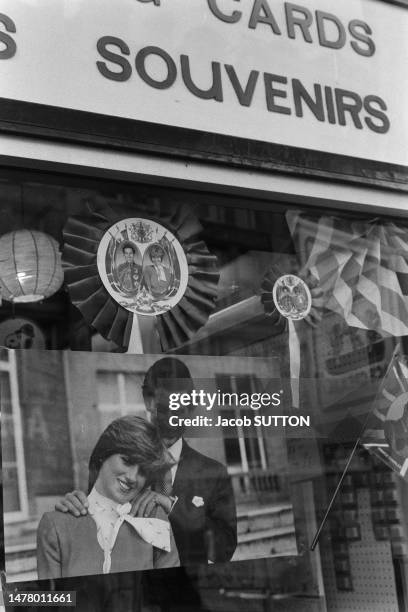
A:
386,433
362,268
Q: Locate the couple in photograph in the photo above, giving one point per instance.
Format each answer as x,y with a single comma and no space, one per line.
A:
153,501
155,277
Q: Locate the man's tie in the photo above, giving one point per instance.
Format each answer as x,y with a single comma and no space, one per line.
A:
164,484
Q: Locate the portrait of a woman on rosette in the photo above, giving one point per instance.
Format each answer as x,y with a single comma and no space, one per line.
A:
128,457
157,276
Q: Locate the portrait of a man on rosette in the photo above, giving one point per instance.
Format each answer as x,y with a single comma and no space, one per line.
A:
129,271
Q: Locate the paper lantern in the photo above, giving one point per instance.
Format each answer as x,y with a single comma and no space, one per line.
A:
30,266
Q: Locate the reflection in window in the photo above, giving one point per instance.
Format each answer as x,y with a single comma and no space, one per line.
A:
242,453
119,393
14,478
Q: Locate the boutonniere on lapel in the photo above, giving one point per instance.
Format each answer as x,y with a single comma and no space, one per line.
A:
197,501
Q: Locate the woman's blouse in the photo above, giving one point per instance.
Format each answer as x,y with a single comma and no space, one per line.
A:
79,546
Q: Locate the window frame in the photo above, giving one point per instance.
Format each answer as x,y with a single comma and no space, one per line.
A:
123,406
10,367
243,467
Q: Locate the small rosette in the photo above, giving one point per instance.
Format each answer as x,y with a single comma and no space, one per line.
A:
291,296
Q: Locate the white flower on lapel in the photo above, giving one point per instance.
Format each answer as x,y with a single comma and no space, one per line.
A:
197,501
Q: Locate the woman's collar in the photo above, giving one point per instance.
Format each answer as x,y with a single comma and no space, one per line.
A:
97,500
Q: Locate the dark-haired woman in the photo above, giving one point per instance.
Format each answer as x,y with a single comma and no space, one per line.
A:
157,276
128,457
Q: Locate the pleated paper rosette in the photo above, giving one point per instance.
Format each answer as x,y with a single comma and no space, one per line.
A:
109,302
278,313
288,299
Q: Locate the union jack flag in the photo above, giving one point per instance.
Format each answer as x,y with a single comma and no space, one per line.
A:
362,268
386,433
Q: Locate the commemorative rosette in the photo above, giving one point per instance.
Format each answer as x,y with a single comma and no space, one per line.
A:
144,261
288,298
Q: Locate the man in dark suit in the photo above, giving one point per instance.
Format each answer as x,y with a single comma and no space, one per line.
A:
204,516
129,272
197,495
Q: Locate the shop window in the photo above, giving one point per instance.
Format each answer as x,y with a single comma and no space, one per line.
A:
119,393
14,477
243,452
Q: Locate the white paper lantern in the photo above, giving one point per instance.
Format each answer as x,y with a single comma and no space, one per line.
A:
30,266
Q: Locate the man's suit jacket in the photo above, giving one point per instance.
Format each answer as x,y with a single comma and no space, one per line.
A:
204,519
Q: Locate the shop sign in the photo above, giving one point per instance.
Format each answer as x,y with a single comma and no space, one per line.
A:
321,74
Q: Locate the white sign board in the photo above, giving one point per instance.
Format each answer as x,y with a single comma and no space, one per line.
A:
322,75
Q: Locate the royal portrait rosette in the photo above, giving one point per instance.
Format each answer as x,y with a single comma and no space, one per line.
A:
288,298
142,266
291,297
121,264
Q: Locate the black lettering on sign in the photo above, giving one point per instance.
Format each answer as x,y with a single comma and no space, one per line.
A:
367,48
215,90
322,19
331,116
349,102
370,105
301,17
171,76
244,95
125,68
272,92
261,6
301,95
8,45
232,18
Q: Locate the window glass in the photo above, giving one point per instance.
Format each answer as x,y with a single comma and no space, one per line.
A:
353,264
108,390
133,389
13,466
10,489
5,396
8,442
